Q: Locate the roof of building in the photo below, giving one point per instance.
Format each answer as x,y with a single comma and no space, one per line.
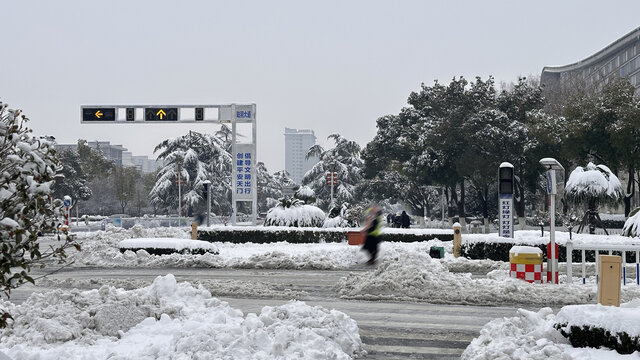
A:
609,50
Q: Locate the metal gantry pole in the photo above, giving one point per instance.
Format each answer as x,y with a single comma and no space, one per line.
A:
233,167
179,194
552,234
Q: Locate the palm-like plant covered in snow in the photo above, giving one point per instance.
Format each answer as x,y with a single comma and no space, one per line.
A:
295,213
590,187
194,158
632,225
344,159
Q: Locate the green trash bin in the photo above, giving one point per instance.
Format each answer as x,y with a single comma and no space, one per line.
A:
436,252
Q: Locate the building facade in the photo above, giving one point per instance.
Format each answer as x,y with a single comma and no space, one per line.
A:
296,144
118,154
620,59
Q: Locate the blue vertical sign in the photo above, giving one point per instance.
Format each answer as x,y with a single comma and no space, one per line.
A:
244,172
506,215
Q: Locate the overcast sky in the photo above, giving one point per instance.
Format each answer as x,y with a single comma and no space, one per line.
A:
329,66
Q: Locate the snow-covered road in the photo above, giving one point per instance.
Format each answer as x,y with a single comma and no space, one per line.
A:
388,329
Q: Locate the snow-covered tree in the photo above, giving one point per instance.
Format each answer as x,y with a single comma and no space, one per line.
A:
305,194
194,158
269,189
74,182
28,168
343,159
632,225
294,213
590,187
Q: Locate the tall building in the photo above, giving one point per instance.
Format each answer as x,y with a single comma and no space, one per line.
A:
296,144
619,59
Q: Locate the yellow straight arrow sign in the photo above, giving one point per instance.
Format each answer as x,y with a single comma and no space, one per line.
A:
98,114
161,114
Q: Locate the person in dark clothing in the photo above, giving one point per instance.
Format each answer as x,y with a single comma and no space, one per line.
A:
372,231
404,220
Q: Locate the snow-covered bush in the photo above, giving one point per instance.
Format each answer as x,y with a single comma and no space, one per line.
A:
27,172
293,212
593,185
632,225
305,194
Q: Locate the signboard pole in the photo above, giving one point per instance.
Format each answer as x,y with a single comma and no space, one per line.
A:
179,194
254,177
234,172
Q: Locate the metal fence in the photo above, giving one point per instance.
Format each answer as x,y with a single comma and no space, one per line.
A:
631,247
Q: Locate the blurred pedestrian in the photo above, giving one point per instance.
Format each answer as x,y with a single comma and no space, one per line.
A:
371,231
405,221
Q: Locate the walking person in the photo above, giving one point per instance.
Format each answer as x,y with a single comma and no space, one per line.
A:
405,221
371,231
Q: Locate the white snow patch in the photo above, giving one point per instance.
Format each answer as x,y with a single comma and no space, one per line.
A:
171,320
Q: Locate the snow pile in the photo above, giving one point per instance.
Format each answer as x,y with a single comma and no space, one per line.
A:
417,277
533,238
531,335
625,318
295,215
167,243
335,222
632,225
170,320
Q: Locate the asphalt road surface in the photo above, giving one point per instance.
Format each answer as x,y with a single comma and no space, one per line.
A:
389,330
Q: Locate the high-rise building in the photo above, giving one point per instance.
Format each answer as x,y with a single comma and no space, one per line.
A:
620,59
296,144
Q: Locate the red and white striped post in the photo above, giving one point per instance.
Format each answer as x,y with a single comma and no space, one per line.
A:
67,206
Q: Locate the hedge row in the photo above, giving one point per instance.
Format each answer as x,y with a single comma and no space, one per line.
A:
595,337
168,251
300,236
500,252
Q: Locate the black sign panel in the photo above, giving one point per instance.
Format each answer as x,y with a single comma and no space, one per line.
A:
161,114
199,114
98,114
131,114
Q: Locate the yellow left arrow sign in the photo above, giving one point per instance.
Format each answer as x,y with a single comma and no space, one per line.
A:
98,114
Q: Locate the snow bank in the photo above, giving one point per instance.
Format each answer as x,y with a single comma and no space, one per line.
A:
625,318
171,320
533,238
417,277
531,335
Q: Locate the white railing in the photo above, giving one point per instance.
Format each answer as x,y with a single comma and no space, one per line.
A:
631,247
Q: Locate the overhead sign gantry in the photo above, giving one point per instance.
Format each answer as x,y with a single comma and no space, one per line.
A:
243,178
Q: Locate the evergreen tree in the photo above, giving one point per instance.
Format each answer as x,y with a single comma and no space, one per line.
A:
28,169
343,159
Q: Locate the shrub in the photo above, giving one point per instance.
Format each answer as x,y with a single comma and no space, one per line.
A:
595,337
299,235
293,212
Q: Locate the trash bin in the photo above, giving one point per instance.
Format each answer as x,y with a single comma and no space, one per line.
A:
355,238
436,252
526,263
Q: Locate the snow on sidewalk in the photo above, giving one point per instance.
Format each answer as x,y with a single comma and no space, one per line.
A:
531,335
171,320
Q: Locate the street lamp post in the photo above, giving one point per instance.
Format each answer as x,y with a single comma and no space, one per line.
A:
552,165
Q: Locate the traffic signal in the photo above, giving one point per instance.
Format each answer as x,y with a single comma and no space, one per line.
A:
131,114
506,180
205,191
199,114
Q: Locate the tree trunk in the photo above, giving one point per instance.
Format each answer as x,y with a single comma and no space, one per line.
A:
592,216
485,209
631,190
461,213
